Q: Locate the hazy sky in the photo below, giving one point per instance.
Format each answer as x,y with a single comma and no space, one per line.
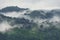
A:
32,4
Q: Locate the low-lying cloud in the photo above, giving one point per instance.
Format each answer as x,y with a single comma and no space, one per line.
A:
4,26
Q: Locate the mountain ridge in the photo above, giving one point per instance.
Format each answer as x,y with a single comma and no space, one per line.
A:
12,9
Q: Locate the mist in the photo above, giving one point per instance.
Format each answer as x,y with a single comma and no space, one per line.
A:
4,26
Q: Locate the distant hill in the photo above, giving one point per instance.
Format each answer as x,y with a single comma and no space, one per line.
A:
12,8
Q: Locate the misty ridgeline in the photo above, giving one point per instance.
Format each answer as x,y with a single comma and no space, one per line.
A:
25,24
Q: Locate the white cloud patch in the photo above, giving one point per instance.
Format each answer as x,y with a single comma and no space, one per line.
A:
55,19
13,14
4,26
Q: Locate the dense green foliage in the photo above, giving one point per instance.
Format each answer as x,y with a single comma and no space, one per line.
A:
50,33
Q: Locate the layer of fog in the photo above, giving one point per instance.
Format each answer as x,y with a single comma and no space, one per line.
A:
4,26
14,14
36,20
